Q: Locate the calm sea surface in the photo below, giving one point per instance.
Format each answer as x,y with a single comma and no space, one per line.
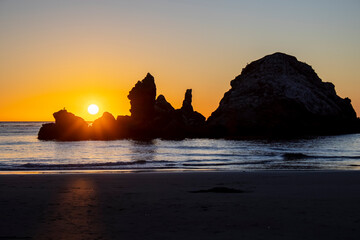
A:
20,150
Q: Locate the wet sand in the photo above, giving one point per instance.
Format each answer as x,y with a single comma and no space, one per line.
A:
205,205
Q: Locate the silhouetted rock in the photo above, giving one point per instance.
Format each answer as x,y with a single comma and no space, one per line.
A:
105,127
152,118
67,127
142,99
180,123
162,106
278,95
48,131
187,106
191,117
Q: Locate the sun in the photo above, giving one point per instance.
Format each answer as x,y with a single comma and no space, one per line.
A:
93,109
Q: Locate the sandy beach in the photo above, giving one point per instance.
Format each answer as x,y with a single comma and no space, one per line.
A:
188,205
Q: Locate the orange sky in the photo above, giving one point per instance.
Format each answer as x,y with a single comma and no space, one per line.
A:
74,53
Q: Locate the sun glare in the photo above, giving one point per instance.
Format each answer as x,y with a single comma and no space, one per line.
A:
93,109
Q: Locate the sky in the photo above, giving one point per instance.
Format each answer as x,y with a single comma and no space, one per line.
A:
70,54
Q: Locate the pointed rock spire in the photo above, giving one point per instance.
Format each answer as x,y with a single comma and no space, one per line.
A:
142,99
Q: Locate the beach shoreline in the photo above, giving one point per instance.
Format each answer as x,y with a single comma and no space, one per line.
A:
166,171
176,205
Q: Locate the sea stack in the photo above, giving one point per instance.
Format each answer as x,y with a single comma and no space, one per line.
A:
142,99
278,95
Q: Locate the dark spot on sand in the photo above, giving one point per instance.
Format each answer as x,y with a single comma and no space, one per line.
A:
219,190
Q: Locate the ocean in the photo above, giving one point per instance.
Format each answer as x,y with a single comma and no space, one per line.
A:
21,151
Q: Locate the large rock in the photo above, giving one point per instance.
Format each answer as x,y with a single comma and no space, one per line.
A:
142,99
67,127
278,95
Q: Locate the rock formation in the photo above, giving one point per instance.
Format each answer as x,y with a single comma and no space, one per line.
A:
191,117
150,118
142,99
186,106
278,95
156,118
180,123
67,127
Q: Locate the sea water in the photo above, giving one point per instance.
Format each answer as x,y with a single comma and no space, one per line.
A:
20,150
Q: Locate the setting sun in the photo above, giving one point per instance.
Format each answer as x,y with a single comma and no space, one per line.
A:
93,109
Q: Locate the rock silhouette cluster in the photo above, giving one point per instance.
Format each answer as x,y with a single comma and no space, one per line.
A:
150,118
274,96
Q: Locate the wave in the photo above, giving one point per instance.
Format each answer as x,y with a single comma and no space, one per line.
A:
42,166
14,143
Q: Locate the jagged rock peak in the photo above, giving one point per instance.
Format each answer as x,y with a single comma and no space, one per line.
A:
149,77
163,105
142,98
146,85
187,106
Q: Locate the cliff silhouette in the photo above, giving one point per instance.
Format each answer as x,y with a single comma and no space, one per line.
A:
274,96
